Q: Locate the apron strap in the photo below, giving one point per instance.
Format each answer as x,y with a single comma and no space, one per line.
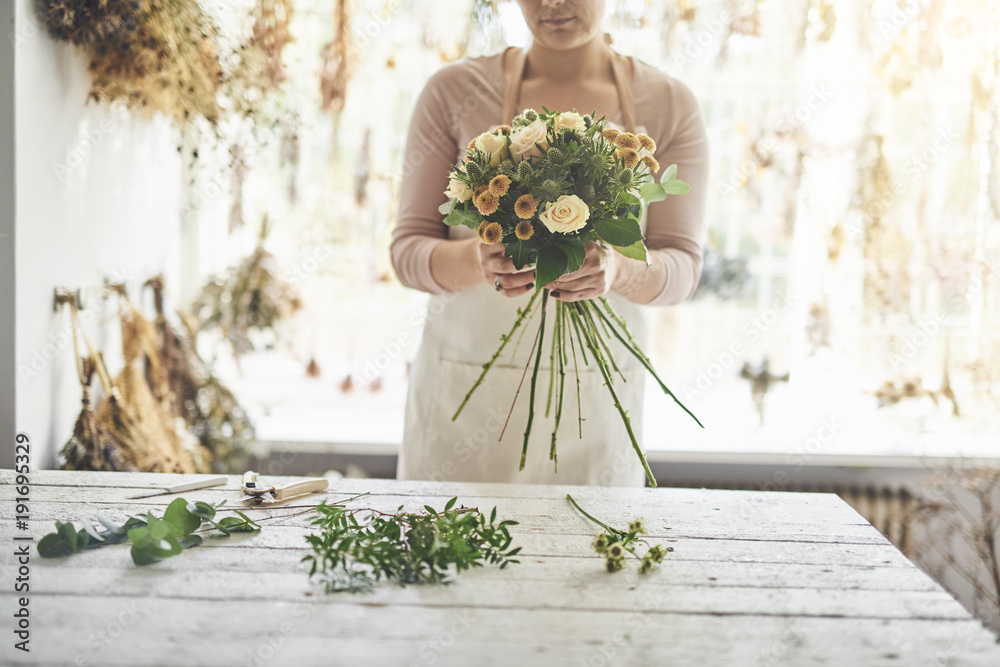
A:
619,70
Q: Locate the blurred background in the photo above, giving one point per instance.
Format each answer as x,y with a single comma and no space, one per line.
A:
245,156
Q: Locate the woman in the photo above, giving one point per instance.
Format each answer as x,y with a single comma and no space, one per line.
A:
477,291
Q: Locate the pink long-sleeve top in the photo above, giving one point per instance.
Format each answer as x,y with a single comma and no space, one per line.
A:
464,99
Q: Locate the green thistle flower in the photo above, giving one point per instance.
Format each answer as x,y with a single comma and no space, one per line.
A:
473,169
530,115
508,169
555,154
626,177
523,171
587,192
548,190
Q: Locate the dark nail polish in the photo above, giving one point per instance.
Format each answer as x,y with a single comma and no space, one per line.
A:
530,285
555,295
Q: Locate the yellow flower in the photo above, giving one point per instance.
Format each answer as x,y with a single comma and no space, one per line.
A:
646,142
500,185
627,140
487,203
524,230
490,232
628,156
525,206
654,166
480,190
472,146
504,129
610,134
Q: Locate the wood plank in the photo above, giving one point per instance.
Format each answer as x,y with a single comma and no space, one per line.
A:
172,632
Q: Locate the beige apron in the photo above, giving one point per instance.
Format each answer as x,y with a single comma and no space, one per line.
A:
461,333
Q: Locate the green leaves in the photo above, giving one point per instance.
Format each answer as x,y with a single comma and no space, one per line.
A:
621,232
152,538
520,252
464,215
349,554
551,265
635,251
576,253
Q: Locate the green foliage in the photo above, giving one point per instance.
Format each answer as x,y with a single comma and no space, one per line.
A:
614,544
353,554
551,264
464,215
152,538
619,231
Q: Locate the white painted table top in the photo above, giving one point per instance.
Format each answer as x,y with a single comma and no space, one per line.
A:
754,579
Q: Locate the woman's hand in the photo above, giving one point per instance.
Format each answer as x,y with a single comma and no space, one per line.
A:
593,279
499,270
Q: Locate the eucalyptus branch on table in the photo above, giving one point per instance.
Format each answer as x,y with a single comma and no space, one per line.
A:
613,544
152,538
355,548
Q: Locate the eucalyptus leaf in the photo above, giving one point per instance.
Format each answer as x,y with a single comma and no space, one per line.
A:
469,217
669,173
180,517
109,524
676,187
445,208
653,192
190,541
68,534
53,546
202,510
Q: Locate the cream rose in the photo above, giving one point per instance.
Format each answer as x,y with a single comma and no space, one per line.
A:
458,190
566,214
493,145
522,142
570,120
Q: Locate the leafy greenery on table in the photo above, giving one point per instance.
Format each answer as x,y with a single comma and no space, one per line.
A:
152,538
355,548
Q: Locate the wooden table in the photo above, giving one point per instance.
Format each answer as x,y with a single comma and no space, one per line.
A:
754,579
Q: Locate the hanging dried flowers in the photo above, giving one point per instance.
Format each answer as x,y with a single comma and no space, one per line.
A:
151,55
337,61
208,407
252,296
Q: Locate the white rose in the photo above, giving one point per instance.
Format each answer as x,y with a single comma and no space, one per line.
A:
494,146
458,190
570,120
522,142
566,214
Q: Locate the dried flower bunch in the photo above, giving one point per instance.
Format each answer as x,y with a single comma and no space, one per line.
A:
151,55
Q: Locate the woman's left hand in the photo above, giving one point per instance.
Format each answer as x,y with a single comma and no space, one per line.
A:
593,279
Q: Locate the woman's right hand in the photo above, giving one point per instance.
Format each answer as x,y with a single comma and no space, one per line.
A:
494,265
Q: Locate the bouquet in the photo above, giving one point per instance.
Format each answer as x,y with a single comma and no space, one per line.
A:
544,187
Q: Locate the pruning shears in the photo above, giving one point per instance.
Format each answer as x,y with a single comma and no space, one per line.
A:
256,492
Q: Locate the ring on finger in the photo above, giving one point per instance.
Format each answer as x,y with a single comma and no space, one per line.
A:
496,283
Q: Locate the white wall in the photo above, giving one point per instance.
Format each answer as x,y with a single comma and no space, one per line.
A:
97,195
6,236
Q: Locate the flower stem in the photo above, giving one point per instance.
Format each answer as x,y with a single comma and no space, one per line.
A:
603,367
633,347
534,378
489,364
576,373
585,308
584,512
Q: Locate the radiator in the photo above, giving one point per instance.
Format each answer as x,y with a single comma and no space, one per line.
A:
888,509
